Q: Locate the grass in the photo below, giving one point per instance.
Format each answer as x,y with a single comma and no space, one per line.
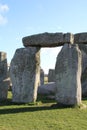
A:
41,115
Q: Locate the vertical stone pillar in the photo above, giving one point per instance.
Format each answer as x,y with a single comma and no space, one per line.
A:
41,77
51,75
25,74
83,49
3,76
68,75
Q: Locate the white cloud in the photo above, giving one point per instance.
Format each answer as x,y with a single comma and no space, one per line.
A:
3,9
3,20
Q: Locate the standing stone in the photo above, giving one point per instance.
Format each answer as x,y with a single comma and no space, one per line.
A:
83,49
25,74
9,79
68,75
51,75
3,76
41,77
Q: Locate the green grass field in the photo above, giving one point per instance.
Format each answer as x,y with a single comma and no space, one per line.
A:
41,116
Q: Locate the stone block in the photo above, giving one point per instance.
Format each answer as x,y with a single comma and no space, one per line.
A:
48,39
51,75
83,49
4,89
25,74
68,75
41,76
68,38
80,38
3,76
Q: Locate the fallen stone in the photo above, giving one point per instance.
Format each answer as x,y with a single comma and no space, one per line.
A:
47,89
48,39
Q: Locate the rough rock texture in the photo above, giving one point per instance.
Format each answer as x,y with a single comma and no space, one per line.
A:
83,49
41,76
68,75
3,76
48,39
47,89
80,38
25,74
51,75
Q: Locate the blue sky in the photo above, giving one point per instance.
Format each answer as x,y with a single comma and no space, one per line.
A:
19,18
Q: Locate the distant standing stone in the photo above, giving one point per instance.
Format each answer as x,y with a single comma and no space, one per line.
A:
68,75
3,76
41,76
51,75
25,74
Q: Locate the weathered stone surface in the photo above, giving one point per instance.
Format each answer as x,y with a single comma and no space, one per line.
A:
9,79
4,89
51,75
80,38
68,75
68,38
3,76
48,39
83,49
41,76
25,74
47,89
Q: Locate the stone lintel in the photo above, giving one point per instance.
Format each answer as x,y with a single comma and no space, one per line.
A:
48,39
80,38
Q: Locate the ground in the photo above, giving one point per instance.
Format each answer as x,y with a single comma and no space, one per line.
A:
42,115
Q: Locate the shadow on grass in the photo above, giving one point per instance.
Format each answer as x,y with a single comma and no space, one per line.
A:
29,109
7,102
21,108
41,98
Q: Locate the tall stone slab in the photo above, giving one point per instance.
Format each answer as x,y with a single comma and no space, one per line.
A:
25,74
3,76
83,49
51,75
68,75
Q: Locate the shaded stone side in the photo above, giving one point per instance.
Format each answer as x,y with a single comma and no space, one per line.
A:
68,75
80,38
3,76
25,74
48,39
51,75
41,76
83,49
